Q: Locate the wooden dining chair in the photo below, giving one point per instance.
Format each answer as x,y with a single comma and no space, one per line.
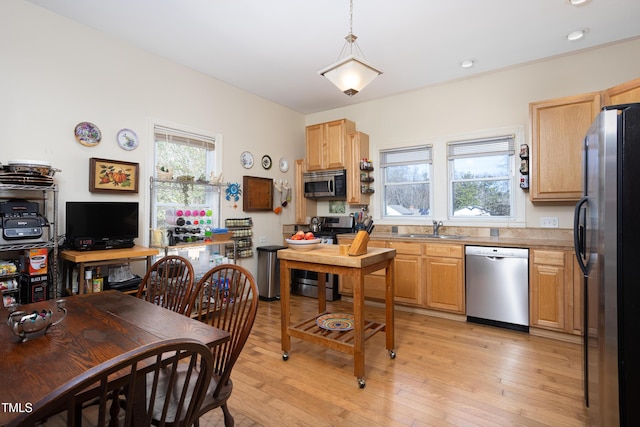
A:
169,283
176,400
228,300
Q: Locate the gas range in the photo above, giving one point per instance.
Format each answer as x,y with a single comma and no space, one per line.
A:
331,226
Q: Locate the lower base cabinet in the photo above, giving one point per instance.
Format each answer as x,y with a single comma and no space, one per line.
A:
445,278
408,272
433,282
431,275
555,289
374,283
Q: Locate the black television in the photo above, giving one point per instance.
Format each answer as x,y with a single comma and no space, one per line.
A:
101,225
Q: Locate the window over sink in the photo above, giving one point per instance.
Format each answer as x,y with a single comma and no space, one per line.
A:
482,178
406,182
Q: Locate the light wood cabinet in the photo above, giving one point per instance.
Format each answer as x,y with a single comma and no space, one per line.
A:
408,272
374,283
357,148
445,278
625,93
554,304
304,208
326,144
558,128
578,301
425,275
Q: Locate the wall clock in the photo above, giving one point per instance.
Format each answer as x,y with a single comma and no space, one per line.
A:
266,162
284,164
246,159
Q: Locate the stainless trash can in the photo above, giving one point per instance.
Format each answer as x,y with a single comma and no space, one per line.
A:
269,272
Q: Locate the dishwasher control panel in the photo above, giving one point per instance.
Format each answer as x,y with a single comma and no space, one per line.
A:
497,252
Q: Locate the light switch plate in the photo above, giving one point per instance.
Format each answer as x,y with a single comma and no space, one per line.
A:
549,222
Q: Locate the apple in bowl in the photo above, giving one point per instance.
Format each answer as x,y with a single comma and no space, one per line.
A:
303,241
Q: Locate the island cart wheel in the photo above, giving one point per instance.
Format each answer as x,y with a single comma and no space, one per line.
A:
392,354
285,356
361,382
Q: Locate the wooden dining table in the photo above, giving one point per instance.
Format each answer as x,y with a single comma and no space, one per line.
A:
98,327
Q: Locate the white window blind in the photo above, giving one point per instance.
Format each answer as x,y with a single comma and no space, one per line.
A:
175,136
482,147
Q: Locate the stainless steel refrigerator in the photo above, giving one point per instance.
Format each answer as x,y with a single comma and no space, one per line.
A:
607,241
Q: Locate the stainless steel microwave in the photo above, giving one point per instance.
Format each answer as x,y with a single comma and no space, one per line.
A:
331,184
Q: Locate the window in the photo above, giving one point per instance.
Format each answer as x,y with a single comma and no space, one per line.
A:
185,154
482,178
406,182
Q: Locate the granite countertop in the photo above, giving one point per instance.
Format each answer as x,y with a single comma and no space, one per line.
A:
532,242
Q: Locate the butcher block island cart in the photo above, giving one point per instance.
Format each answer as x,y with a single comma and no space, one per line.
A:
328,259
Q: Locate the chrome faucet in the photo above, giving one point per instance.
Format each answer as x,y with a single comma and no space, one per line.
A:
436,227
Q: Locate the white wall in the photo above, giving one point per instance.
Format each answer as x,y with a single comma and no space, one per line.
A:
55,73
484,103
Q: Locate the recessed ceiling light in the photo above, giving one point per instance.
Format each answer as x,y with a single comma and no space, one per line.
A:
468,63
577,34
577,2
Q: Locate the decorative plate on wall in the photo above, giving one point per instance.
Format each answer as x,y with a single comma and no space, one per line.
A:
88,134
266,162
246,159
284,164
127,139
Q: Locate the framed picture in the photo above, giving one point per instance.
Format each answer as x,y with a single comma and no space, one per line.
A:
257,194
107,176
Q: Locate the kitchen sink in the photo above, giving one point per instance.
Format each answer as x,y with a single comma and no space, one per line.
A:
431,236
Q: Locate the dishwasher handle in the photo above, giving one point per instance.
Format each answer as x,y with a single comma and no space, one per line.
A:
496,252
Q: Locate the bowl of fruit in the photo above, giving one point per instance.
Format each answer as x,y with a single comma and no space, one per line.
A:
303,241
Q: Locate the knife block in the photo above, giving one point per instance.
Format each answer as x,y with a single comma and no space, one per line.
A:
359,245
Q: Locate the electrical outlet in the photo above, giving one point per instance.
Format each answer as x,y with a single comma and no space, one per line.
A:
549,221
263,239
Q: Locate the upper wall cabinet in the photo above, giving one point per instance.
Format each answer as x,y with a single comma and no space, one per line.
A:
326,144
304,207
357,148
625,93
558,128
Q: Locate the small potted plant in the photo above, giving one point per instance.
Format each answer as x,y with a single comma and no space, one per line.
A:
164,172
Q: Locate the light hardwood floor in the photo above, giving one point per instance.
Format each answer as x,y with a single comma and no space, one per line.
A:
446,372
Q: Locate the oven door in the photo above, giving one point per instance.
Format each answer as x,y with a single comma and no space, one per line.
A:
304,282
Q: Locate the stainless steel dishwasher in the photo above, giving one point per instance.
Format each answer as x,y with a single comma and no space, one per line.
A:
497,286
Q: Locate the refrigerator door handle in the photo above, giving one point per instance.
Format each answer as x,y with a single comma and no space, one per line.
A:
579,235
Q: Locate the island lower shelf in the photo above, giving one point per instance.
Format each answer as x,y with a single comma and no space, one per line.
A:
342,341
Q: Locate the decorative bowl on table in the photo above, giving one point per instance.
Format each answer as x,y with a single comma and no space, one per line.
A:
22,323
303,245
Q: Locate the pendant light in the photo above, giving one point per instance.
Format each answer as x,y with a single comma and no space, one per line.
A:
351,73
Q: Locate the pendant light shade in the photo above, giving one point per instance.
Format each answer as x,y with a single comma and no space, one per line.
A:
351,73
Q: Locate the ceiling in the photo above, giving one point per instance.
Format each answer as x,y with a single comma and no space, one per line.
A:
275,48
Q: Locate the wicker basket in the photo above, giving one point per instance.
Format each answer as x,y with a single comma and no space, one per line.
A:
164,175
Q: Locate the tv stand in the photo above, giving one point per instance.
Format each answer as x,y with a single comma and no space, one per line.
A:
113,244
88,244
96,258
